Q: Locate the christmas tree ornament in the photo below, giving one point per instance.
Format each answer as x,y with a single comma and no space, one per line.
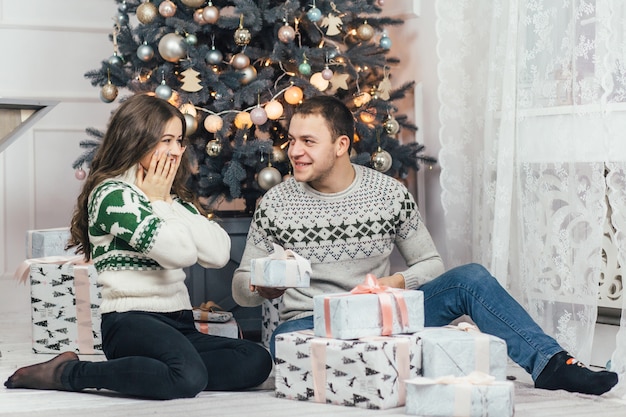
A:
240,61
385,41
147,12
163,91
213,123
191,39
191,81
391,125
167,8
286,33
365,32
268,177
293,95
123,7
198,17
214,57
304,68
172,47
249,74
108,93
188,108
278,154
258,116
214,148
332,24
381,3
319,82
314,14
242,35
210,13
339,81
193,3
242,120
80,174
116,60
384,88
191,124
274,109
121,19
362,99
145,52
327,73
381,160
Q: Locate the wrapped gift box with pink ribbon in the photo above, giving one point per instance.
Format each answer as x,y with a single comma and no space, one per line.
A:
366,373
474,395
460,350
65,301
225,329
281,269
47,242
368,310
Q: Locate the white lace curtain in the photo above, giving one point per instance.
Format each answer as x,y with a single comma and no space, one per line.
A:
533,157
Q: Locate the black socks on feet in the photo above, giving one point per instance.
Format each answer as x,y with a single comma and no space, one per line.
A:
565,372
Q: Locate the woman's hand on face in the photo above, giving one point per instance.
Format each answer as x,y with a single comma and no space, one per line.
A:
156,182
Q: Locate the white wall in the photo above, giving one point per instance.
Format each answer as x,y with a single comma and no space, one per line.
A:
46,49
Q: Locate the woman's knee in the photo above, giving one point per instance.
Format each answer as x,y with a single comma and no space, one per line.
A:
189,383
472,274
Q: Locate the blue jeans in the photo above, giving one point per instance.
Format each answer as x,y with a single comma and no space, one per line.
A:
163,356
471,290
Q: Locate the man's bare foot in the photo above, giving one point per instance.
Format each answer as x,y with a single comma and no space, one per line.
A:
46,375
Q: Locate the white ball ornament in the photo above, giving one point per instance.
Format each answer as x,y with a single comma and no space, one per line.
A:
163,91
268,177
172,47
381,160
258,116
274,109
213,123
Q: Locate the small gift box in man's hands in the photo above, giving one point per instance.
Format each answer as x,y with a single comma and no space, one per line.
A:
282,269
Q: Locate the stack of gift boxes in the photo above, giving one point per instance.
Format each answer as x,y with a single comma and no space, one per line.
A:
65,298
369,349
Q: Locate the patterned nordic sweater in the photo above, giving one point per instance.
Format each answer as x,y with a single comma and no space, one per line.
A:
345,236
139,248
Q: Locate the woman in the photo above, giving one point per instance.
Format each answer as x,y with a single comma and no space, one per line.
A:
140,224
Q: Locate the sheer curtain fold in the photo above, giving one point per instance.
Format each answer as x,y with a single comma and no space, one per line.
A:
533,115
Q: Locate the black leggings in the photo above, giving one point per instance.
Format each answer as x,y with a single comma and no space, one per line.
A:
163,356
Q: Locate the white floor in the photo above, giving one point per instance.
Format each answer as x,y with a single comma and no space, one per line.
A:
15,348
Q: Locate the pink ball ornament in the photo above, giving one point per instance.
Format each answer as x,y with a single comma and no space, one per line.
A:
198,17
286,33
167,8
211,13
258,116
80,174
327,74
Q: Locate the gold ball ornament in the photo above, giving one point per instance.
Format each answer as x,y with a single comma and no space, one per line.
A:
108,93
391,126
213,123
167,8
191,124
269,177
249,74
381,160
193,3
147,12
242,36
365,32
214,147
240,61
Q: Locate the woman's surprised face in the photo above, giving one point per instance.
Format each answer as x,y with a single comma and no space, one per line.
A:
170,144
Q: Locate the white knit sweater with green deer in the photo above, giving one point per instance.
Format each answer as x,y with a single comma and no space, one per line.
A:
139,248
344,235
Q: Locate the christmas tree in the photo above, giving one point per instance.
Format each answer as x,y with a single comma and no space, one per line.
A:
236,68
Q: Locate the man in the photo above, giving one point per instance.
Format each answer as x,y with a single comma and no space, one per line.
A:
345,219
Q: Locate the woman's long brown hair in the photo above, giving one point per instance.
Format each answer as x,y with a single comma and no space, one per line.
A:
134,130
